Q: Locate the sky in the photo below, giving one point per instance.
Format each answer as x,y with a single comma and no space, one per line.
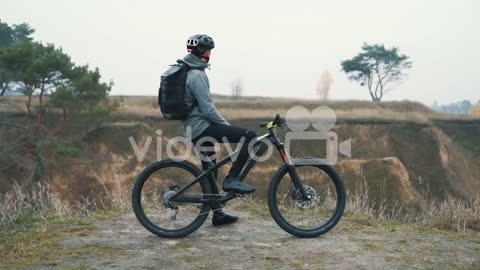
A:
276,48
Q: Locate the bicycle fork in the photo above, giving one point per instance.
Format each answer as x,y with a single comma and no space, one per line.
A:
292,171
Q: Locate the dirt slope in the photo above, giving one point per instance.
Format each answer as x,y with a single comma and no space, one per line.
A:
399,149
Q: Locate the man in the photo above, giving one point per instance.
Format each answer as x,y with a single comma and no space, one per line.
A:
205,121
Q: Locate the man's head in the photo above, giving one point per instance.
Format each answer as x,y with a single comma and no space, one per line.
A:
200,45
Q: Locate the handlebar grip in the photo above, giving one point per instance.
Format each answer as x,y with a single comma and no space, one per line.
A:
277,121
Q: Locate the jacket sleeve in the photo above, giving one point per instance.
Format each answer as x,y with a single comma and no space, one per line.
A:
197,81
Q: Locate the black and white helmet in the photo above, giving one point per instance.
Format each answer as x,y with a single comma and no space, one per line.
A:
197,44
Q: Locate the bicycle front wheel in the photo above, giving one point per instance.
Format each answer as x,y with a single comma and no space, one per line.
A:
307,218
153,207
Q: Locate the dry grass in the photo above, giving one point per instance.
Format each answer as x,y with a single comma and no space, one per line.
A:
267,107
39,202
33,221
35,199
450,213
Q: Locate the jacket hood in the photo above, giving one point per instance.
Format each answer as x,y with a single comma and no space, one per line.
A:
194,61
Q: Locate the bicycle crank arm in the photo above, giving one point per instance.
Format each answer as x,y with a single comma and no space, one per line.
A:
297,182
227,197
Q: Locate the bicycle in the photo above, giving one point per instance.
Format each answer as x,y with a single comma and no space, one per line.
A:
173,198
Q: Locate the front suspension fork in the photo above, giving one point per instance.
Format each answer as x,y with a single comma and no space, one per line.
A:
297,182
292,171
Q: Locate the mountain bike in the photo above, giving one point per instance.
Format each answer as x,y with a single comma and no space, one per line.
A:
172,198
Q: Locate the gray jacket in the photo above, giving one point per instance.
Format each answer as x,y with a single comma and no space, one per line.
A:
198,87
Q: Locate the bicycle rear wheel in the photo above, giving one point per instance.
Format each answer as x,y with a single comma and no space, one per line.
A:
151,202
307,218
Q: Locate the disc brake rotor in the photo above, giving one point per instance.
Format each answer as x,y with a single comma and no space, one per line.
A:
306,204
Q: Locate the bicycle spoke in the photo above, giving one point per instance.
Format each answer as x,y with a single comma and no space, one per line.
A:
301,213
162,185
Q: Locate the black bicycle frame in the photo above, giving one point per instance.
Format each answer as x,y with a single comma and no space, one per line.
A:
263,146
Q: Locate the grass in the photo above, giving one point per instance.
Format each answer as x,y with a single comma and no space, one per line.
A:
103,214
261,107
297,265
33,240
403,240
256,207
33,221
75,267
38,202
187,258
450,215
181,245
374,245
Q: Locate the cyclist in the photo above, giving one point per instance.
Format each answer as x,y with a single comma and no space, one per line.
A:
205,121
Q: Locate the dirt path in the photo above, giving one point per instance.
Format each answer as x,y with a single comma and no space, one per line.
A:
256,242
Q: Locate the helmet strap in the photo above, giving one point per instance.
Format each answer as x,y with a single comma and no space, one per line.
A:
205,59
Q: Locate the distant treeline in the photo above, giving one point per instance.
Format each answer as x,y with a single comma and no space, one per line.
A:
459,107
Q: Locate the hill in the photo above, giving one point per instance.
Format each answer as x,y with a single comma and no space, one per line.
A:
413,191
400,150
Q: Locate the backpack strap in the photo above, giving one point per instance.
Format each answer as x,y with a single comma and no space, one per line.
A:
181,61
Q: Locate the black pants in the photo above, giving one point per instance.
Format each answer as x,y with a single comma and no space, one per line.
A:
233,135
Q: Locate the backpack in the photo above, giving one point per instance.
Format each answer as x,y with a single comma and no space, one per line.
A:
171,94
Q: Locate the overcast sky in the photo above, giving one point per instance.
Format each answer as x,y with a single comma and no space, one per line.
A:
277,48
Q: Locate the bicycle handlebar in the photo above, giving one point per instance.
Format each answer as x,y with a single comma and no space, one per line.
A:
277,122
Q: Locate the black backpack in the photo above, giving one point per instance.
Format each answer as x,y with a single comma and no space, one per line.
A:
171,95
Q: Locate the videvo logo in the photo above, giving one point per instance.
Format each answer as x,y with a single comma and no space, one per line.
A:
298,120
322,119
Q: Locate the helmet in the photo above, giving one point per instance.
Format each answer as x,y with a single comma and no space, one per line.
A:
198,44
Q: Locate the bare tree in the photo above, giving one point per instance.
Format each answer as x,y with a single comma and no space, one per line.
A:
237,87
475,110
324,85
